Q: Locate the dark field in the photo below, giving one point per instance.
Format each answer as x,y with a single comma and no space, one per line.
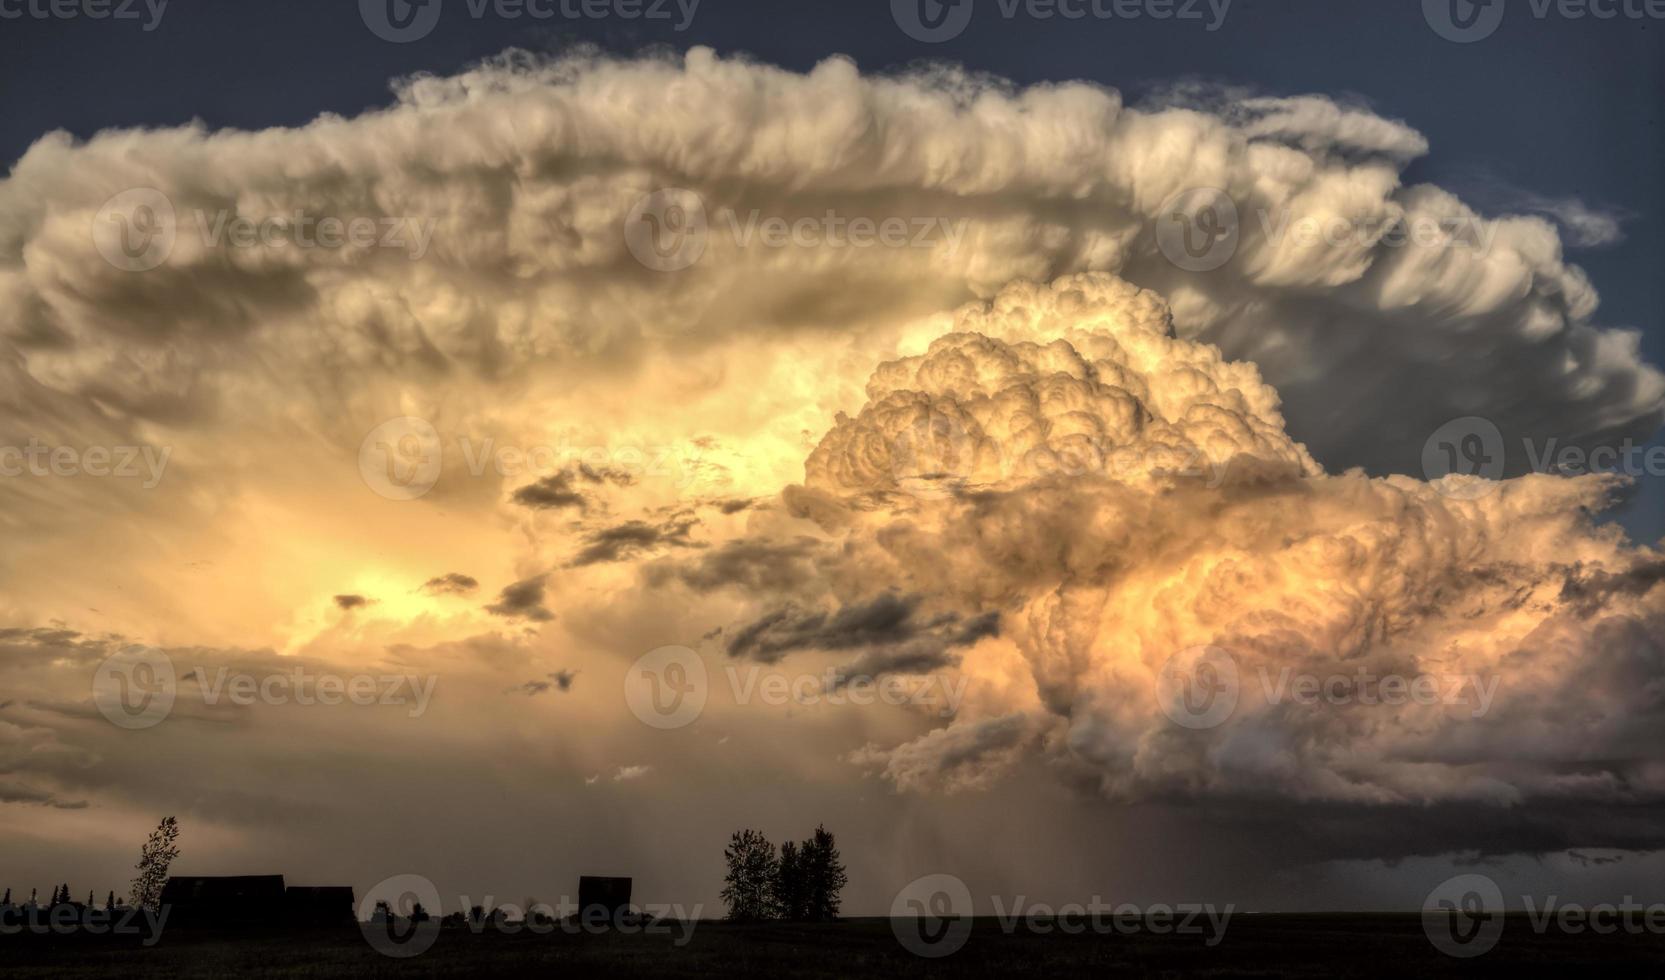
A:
1254,946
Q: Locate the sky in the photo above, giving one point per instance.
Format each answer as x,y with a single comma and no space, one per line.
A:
611,501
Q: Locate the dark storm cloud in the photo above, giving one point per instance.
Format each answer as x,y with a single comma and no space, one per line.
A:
560,490
560,680
747,564
524,599
1590,592
452,583
631,538
349,602
895,638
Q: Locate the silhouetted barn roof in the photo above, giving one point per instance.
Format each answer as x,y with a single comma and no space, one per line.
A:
240,888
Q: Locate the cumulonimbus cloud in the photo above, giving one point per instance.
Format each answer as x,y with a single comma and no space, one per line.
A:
1128,503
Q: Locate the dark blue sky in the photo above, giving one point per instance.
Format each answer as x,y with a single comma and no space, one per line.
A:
1547,106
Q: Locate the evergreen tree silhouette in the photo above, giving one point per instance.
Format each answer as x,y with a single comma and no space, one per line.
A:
824,875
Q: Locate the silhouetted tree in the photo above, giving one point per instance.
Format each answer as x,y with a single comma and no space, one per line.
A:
750,883
791,896
110,902
154,860
8,899
824,876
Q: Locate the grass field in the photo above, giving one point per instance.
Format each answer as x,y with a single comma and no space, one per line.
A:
1254,946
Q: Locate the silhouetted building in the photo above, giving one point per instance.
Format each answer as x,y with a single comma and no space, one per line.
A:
246,900
319,906
602,898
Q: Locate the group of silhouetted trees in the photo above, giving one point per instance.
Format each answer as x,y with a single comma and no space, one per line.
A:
60,896
801,883
154,859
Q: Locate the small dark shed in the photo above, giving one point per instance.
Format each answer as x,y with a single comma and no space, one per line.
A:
602,898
